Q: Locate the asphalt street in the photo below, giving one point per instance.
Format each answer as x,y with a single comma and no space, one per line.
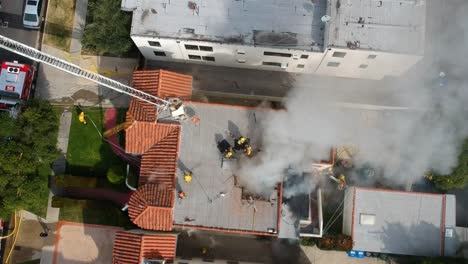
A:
11,26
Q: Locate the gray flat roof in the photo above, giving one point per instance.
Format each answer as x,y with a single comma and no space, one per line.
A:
394,26
405,223
292,23
204,206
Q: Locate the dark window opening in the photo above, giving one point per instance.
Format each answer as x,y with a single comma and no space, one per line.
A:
206,48
154,43
208,58
304,56
191,47
339,54
159,53
277,54
372,56
363,66
194,57
300,66
333,64
269,63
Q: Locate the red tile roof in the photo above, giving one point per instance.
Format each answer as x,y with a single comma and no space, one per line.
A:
132,248
159,83
141,111
159,163
151,207
141,136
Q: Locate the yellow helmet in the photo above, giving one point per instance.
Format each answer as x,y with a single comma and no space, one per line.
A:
228,154
241,140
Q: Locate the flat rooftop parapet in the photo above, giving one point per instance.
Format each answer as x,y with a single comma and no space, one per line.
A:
213,198
287,24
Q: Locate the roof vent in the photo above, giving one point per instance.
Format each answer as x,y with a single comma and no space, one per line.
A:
367,219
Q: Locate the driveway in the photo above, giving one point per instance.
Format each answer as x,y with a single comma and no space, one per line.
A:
83,243
11,11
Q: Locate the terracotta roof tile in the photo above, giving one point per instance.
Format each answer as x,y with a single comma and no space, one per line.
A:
163,83
141,136
159,247
141,111
151,207
173,84
127,248
132,248
159,163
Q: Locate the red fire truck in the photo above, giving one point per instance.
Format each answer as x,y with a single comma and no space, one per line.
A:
16,85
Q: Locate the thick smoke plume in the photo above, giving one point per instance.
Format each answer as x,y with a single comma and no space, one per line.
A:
425,134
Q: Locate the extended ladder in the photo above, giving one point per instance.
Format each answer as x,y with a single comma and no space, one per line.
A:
63,65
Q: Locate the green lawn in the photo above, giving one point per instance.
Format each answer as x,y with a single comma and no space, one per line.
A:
91,212
88,154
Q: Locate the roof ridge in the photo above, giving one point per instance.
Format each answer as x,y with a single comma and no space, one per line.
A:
175,128
140,214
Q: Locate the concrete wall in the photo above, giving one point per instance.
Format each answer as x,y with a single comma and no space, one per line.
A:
352,63
365,64
229,55
348,211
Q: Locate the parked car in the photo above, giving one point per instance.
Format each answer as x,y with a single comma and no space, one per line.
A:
32,14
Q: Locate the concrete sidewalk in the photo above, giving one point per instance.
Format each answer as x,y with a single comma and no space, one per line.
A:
318,256
58,167
65,88
79,22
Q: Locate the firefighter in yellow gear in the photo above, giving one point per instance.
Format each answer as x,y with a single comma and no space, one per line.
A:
228,154
248,150
81,117
187,176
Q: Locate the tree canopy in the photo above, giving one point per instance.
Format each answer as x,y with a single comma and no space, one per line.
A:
27,149
108,28
459,176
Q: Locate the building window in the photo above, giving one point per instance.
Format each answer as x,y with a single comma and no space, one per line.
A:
232,262
367,219
154,43
191,47
363,66
269,63
300,66
241,60
333,64
206,48
240,51
339,54
208,58
372,56
304,56
194,57
277,54
159,53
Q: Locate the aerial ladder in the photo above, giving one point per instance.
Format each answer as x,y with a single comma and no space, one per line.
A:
172,104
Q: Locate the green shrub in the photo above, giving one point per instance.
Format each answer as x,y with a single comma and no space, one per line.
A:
307,241
115,174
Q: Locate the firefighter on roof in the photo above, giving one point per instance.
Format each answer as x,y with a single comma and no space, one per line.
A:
225,148
187,176
242,143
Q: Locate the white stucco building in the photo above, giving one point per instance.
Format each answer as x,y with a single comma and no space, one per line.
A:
348,38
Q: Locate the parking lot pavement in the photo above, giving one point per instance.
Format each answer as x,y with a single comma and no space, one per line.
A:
11,26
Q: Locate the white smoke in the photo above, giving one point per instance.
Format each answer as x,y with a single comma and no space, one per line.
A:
404,143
